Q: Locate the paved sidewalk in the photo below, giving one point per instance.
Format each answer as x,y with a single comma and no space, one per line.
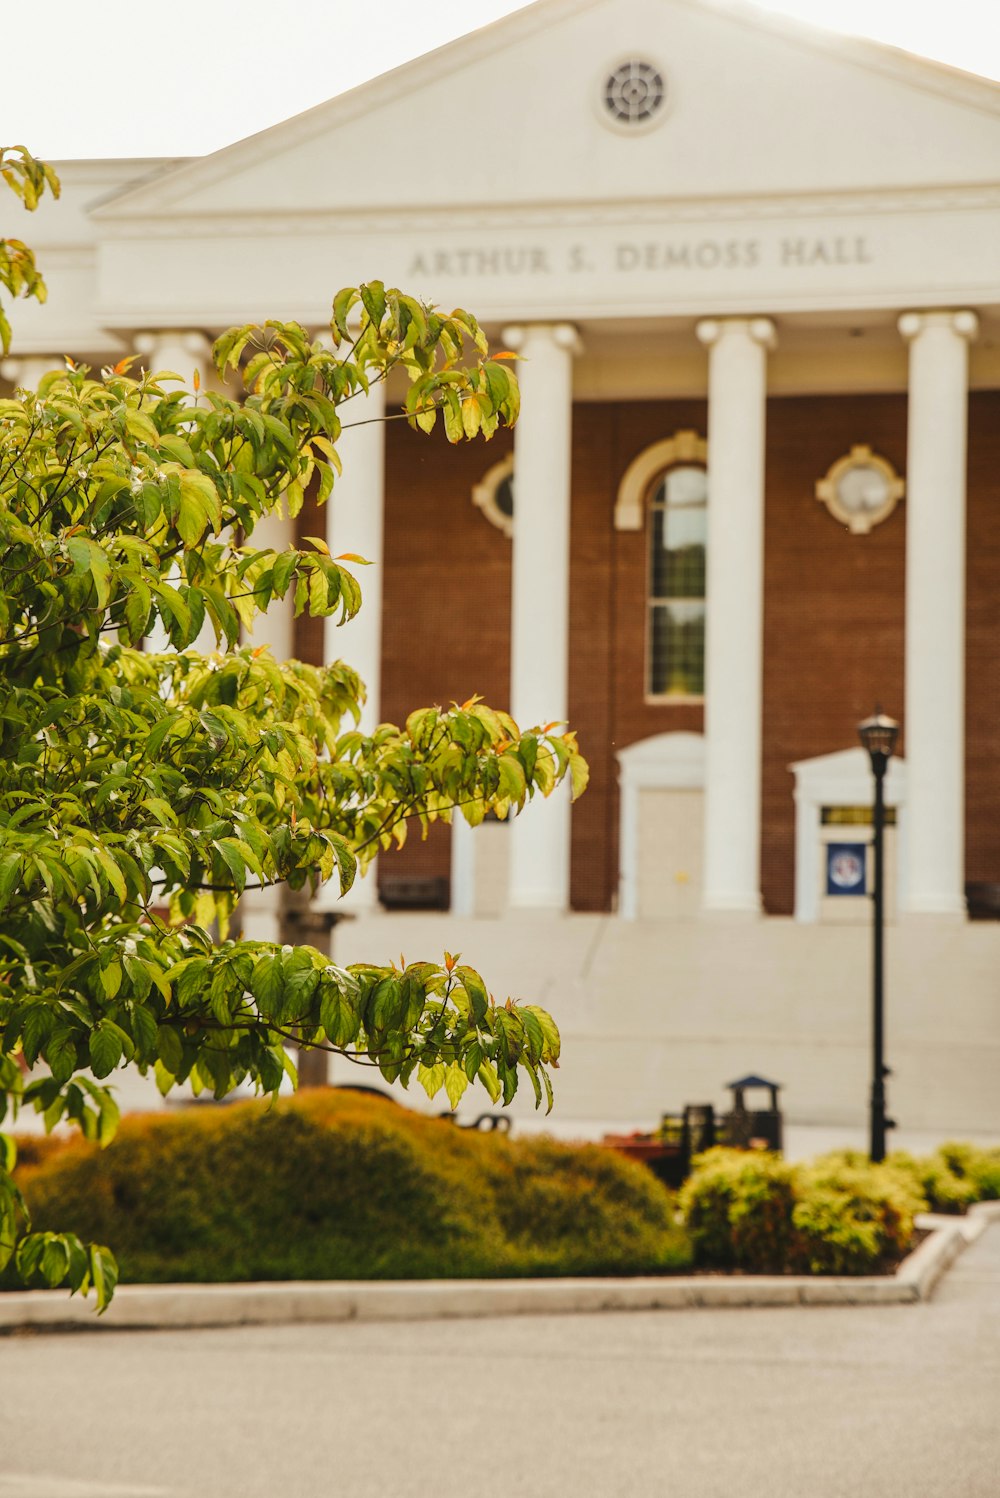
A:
897,1402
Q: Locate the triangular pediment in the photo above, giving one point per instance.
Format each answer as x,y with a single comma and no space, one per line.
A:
513,114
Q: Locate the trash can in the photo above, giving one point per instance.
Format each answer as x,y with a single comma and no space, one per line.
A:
698,1131
753,1128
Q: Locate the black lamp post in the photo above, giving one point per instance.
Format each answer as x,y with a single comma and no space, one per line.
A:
879,735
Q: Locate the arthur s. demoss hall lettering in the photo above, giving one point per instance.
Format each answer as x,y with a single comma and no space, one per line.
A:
788,252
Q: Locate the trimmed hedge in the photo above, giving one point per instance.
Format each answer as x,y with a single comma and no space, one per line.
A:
837,1215
738,1205
338,1185
955,1176
852,1218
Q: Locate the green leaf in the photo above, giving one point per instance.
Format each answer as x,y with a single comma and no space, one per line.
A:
373,300
431,1078
140,426
109,1117
54,1261
552,1043
488,1076
229,851
105,1049
60,1054
455,1083
137,606
10,877
103,1274
338,1017
474,986
268,986
170,1048
87,556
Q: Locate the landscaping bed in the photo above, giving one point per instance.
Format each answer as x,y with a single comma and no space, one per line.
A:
339,1186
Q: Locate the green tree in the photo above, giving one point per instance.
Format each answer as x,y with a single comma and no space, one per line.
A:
130,779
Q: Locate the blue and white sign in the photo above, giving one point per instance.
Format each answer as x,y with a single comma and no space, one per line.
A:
846,866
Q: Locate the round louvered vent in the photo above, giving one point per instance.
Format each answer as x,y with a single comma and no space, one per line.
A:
634,92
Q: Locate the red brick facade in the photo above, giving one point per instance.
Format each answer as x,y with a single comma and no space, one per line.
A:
833,618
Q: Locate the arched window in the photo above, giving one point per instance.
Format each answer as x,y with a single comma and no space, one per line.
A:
677,529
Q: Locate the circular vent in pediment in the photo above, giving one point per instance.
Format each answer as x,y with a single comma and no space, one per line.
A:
634,93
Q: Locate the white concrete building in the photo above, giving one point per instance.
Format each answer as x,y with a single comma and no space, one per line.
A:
752,271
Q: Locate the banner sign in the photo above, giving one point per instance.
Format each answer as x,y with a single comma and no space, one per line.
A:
846,868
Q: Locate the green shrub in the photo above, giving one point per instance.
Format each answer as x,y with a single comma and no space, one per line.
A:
954,1176
840,1215
852,1218
941,1189
979,1168
335,1185
737,1206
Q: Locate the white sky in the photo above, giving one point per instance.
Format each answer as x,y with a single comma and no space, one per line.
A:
129,78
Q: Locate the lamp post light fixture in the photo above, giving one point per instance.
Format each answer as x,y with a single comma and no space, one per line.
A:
878,734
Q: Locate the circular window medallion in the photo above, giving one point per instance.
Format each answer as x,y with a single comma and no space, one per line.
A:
634,93
494,495
860,490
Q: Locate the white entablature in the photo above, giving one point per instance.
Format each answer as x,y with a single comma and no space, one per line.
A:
865,181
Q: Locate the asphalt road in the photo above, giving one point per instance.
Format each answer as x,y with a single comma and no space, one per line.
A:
894,1402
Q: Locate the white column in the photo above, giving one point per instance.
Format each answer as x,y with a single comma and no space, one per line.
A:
260,910
737,391
463,867
26,370
540,839
182,351
276,627
934,722
355,524
178,350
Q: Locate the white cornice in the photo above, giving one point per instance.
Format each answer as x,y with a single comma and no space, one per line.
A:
131,170
466,217
553,307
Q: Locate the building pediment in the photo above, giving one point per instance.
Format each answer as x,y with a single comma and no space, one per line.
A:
515,114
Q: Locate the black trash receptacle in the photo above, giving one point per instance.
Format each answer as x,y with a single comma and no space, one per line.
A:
699,1129
744,1126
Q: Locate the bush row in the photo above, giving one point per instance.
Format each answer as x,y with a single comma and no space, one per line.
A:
955,1176
756,1213
838,1215
337,1185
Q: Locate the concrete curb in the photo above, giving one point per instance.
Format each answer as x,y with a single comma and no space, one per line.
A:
177,1307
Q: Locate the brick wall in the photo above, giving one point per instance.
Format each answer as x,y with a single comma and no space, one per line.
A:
446,613
833,621
607,626
833,607
982,715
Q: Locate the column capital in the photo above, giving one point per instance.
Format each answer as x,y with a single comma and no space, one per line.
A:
760,330
563,334
962,321
189,339
25,370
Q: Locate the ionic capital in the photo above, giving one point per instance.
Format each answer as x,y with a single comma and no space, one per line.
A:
760,330
963,322
563,334
178,340
25,371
